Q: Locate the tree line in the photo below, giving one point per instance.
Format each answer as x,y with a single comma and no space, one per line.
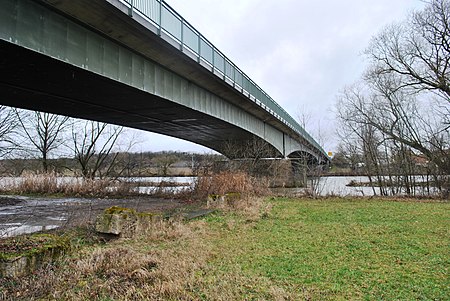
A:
32,141
395,120
44,136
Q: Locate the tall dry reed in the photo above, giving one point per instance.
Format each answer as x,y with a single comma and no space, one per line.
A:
51,183
226,182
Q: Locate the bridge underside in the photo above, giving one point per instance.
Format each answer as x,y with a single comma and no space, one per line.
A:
37,82
55,63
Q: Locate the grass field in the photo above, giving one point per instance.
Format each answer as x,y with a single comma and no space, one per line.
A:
343,250
331,249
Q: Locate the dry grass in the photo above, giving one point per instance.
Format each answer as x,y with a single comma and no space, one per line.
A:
169,262
51,184
122,270
237,183
252,208
231,182
238,191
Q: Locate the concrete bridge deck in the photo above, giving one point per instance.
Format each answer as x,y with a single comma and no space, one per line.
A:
104,60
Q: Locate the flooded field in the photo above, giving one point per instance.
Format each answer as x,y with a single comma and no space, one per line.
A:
338,186
20,215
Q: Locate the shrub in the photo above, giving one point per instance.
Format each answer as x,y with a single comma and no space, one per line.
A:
226,182
50,183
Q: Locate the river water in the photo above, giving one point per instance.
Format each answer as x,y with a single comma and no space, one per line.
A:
323,185
338,186
20,215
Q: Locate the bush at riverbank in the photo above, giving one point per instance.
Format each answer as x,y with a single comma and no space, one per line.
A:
52,184
333,249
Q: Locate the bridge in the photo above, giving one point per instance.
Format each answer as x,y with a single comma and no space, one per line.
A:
139,64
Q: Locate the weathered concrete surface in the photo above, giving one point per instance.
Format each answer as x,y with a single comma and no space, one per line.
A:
125,222
23,262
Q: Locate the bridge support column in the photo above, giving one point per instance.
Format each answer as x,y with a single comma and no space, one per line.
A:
299,174
277,171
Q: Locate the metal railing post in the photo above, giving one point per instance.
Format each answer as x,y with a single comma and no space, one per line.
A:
199,54
213,58
130,9
182,35
160,17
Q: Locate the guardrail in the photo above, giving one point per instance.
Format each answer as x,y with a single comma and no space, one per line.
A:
190,40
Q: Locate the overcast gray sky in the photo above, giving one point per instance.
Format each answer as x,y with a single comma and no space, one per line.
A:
301,52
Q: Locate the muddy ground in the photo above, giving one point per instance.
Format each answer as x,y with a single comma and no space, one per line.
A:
20,215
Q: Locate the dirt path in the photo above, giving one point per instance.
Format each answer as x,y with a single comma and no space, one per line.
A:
20,215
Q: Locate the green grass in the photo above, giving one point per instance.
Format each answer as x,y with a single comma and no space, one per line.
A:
341,250
333,249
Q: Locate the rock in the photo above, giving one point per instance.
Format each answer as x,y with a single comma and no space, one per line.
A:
197,213
15,267
219,201
47,248
124,222
215,201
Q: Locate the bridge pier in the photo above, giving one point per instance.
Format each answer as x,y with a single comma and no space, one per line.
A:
299,173
279,172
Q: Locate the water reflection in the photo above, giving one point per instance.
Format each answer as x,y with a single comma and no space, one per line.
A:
19,229
20,215
338,186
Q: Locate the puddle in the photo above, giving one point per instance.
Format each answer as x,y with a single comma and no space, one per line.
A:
57,218
8,201
8,212
24,229
168,189
28,215
25,215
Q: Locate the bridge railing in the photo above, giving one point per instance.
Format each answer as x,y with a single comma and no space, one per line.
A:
193,43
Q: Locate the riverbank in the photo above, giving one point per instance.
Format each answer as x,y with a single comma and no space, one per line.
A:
28,214
329,249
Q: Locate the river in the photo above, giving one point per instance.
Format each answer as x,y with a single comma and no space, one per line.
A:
20,215
324,185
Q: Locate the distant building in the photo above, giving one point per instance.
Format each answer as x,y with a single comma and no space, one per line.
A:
420,160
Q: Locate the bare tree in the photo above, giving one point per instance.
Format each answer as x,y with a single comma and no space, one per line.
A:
8,128
416,50
404,99
248,155
409,77
164,161
123,162
44,132
206,164
372,123
304,116
93,142
400,117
